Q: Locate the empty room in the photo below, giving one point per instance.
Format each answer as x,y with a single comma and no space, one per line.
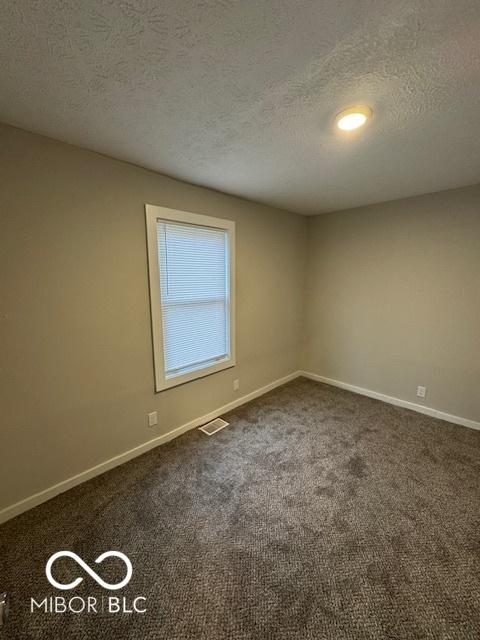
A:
240,320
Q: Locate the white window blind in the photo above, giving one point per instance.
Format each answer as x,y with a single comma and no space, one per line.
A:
194,273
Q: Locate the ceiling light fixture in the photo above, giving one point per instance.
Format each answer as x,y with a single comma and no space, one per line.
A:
353,117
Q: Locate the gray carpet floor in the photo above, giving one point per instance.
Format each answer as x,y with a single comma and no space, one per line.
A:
317,514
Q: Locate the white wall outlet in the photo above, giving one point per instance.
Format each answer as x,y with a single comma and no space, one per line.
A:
421,392
236,385
152,419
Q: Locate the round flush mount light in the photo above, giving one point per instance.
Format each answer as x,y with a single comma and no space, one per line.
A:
353,117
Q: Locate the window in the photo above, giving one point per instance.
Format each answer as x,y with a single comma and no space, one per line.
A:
191,269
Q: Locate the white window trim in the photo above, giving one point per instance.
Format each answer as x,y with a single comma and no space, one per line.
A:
153,213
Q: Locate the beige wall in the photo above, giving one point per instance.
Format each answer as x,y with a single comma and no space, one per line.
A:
393,299
76,357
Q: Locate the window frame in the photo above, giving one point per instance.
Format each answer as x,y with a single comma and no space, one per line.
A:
152,214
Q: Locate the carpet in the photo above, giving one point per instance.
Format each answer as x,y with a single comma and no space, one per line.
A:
317,514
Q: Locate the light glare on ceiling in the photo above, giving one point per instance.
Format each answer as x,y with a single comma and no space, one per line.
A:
353,117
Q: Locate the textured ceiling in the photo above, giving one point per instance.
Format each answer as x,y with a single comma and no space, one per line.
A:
240,95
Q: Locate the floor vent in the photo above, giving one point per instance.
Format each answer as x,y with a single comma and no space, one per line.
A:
213,426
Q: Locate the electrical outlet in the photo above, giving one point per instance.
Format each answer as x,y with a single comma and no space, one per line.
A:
152,419
421,392
236,385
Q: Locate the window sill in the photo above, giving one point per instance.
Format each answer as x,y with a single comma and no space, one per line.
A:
162,384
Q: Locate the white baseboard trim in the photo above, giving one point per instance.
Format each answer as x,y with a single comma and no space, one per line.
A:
69,483
429,411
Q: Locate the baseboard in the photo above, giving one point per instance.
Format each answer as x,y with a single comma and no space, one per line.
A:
429,411
65,485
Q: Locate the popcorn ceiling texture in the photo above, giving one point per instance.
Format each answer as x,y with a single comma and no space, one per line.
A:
240,96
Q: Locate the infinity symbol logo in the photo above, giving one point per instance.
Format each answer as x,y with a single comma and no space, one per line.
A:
91,572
